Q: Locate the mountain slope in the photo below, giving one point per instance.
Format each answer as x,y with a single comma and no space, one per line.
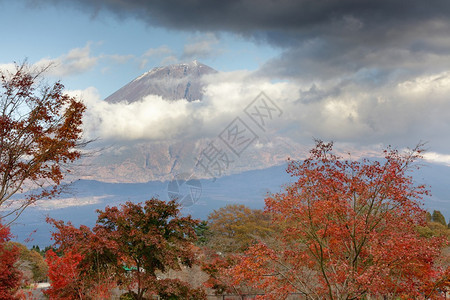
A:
145,161
174,82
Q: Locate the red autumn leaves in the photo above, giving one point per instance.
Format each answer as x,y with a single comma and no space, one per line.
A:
128,248
349,230
40,131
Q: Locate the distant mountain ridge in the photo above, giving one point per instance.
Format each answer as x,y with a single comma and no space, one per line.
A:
174,82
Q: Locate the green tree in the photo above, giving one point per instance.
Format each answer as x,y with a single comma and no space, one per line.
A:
31,263
36,248
428,216
203,233
235,227
433,229
438,217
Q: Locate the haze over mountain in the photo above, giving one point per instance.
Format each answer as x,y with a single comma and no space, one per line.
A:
148,161
148,137
143,160
174,82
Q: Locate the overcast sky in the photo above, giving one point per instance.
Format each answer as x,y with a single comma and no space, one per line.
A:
359,72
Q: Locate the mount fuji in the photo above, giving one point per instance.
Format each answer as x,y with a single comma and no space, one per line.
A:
174,82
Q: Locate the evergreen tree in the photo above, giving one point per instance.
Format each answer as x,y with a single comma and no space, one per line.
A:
428,216
202,232
438,217
36,248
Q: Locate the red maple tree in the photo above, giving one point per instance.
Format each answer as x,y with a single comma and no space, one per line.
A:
131,247
90,257
10,276
64,275
349,231
216,266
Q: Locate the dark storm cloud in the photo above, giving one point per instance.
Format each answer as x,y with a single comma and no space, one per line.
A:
319,38
281,22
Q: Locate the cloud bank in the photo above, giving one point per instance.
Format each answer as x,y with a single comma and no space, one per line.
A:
154,118
402,115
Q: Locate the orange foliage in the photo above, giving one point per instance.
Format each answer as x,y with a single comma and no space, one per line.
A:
128,247
349,230
10,276
40,129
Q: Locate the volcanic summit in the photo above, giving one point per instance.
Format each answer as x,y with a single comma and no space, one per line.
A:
174,82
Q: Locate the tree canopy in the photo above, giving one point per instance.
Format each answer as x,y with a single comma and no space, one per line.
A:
349,231
438,217
40,133
130,247
235,227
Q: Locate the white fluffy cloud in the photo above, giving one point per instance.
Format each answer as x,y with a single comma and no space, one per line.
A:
76,61
163,54
401,115
157,119
437,158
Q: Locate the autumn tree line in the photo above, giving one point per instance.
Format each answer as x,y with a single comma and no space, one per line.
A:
345,229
